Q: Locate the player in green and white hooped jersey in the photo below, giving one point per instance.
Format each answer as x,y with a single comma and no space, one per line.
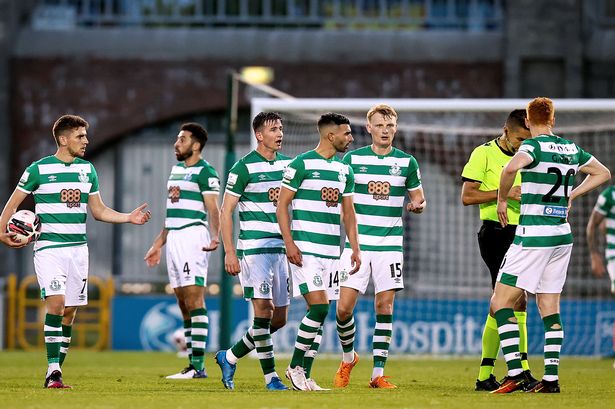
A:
481,179
384,176
315,184
538,258
193,189
603,213
64,186
260,261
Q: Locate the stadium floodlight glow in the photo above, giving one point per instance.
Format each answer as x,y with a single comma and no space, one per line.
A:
257,75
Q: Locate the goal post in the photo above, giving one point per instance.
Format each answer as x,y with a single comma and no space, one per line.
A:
445,301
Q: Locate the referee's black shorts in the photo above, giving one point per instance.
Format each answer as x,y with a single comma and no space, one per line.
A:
494,241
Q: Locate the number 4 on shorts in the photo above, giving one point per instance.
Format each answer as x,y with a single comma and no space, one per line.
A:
186,268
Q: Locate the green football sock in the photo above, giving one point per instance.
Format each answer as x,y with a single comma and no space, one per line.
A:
66,338
308,329
308,360
200,325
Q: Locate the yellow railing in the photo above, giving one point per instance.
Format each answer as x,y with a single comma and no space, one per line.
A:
26,314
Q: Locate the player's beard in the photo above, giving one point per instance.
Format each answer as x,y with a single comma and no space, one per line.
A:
342,147
182,156
76,153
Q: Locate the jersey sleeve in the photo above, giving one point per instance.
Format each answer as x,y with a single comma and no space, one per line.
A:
94,179
209,182
349,188
531,148
294,174
604,203
237,180
476,166
413,180
29,180
584,157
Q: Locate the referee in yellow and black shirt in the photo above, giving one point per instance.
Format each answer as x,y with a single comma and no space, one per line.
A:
481,179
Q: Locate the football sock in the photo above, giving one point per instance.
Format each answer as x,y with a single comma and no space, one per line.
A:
554,335
522,321
509,338
382,338
345,332
308,329
66,337
308,360
491,347
200,324
53,338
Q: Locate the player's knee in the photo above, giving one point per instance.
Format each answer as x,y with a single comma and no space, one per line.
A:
277,323
384,307
343,312
319,312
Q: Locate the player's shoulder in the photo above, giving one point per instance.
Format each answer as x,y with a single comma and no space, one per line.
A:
47,160
398,153
79,161
282,157
362,151
206,166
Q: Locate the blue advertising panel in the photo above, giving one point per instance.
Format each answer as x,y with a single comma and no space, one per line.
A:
420,326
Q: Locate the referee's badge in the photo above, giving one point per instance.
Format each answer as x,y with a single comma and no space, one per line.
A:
395,170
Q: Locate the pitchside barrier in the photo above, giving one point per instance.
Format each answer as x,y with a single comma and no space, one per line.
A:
421,326
26,315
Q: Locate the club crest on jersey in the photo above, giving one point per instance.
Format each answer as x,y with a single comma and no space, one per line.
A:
317,281
54,285
264,288
341,176
188,175
395,170
83,176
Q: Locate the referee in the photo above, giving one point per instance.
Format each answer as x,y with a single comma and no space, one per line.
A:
481,178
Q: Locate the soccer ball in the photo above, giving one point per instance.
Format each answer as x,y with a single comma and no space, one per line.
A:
26,225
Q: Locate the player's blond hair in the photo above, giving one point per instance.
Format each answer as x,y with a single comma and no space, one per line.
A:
382,109
540,111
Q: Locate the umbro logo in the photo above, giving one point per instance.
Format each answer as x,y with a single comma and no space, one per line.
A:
262,176
363,169
316,175
52,178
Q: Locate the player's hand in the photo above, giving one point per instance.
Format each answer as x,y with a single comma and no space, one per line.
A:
416,207
231,264
152,257
598,269
10,240
355,262
515,193
140,215
502,213
293,254
212,245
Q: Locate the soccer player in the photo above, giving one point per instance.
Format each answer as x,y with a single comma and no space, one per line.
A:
64,186
604,212
318,186
193,189
481,179
384,175
538,258
259,260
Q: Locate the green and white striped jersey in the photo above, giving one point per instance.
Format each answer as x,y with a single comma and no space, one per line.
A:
545,188
61,192
605,205
186,187
381,185
319,185
256,182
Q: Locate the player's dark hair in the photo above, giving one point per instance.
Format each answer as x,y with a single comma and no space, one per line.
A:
516,119
331,118
199,134
262,118
67,123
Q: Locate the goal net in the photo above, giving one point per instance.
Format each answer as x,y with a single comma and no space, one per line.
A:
444,304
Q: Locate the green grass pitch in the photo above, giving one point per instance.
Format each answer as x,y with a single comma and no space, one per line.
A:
136,380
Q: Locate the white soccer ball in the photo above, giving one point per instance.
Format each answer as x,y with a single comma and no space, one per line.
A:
26,225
